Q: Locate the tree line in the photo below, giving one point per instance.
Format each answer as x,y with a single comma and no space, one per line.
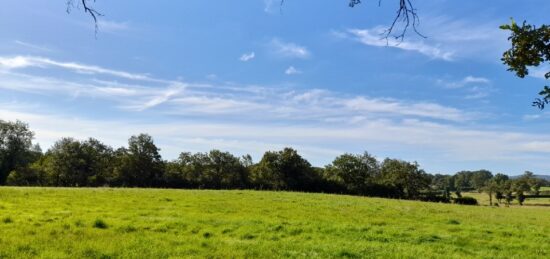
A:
91,163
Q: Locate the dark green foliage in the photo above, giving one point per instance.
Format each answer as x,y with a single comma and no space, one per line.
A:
283,170
140,164
465,200
78,163
355,173
16,149
7,220
530,48
407,178
99,223
213,170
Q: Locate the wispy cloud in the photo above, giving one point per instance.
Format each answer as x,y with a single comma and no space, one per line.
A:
474,87
289,49
18,62
320,143
144,92
540,71
32,46
448,38
469,80
252,119
247,56
292,71
373,37
112,26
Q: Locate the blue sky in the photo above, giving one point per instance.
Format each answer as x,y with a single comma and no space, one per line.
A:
253,76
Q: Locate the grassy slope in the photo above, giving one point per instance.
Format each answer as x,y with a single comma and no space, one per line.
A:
141,223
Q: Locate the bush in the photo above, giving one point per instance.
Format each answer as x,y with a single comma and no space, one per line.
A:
99,223
465,200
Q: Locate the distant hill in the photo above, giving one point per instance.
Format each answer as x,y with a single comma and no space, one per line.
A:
540,176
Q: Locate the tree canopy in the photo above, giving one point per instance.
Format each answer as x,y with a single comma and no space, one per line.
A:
530,48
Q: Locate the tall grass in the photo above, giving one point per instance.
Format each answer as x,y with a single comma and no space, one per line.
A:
152,223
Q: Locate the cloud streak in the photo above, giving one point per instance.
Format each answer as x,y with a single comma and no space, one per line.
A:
373,37
292,71
251,118
247,56
289,49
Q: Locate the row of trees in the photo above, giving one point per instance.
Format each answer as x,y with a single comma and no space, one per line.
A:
76,163
499,186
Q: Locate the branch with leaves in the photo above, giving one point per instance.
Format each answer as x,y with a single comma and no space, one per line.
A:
530,48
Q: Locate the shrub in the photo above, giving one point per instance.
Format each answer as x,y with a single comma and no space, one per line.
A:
465,200
7,220
99,223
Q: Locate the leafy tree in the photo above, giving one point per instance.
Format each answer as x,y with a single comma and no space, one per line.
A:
78,163
140,164
480,179
530,48
462,181
223,170
521,184
283,170
31,175
406,177
354,172
502,183
16,149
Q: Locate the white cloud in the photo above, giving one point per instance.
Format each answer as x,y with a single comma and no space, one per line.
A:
289,49
373,37
247,56
474,87
320,142
448,38
112,26
428,110
292,71
540,71
32,46
144,92
469,80
252,119
18,62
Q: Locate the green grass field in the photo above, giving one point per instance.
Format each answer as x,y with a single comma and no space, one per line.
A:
141,223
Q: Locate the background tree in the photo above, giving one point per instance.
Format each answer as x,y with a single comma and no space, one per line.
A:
355,173
16,149
140,164
78,163
283,170
223,170
480,179
502,185
407,177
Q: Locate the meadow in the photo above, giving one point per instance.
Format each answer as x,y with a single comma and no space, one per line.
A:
160,223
